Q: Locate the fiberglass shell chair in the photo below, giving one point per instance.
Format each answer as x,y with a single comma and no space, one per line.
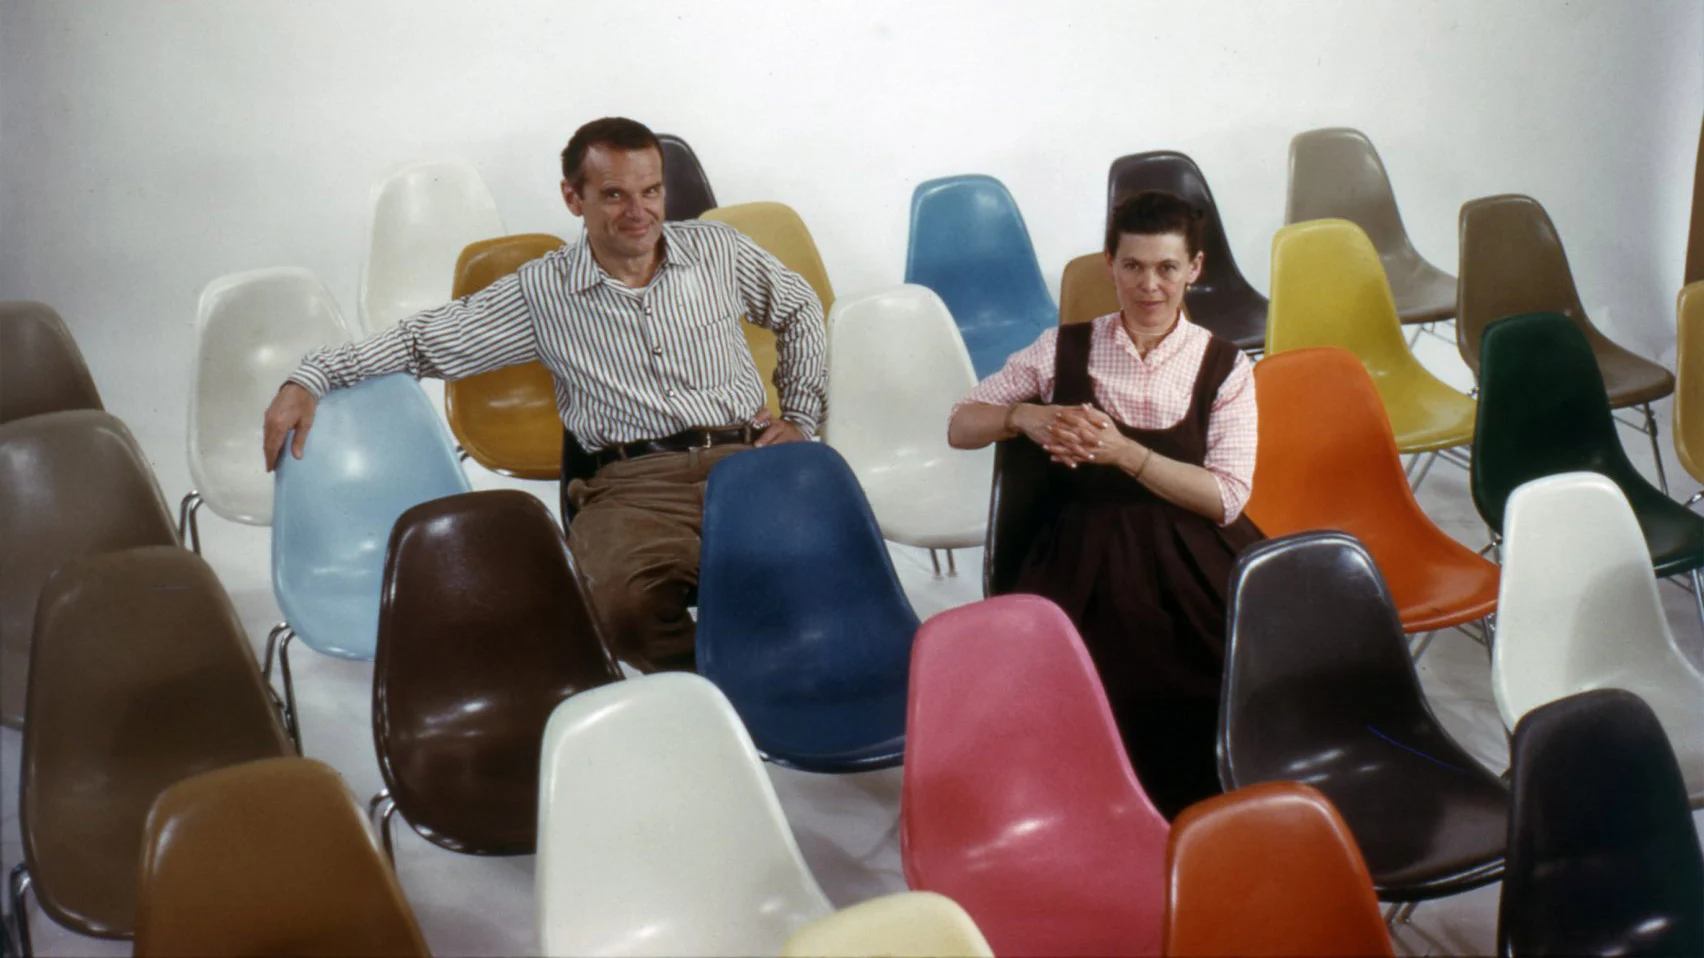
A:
1016,511
1086,292
271,857
251,330
896,366
1543,410
802,622
1018,800
1580,611
72,484
1695,237
1328,290
1689,382
1603,850
483,630
1327,460
41,368
1221,299
659,832
506,420
907,924
1336,174
778,229
1319,688
424,215
141,676
686,190
1270,869
969,244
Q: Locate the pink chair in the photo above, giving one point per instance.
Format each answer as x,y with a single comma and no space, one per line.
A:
1019,802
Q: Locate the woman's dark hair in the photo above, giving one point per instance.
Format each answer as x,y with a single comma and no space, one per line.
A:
1154,213
615,132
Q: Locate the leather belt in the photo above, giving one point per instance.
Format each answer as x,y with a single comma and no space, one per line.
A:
697,437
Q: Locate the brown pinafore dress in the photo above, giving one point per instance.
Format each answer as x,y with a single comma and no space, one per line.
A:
1145,583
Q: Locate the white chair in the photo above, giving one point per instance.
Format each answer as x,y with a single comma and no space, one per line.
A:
896,366
659,832
424,215
910,924
251,329
1578,610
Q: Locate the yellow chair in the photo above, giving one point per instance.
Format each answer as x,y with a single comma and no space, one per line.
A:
1086,291
1329,289
776,228
1689,383
911,924
506,419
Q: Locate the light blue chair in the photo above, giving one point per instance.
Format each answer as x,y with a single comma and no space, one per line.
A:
801,620
969,244
376,449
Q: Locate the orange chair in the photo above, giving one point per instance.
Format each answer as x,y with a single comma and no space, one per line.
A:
1327,460
506,419
1086,291
1270,869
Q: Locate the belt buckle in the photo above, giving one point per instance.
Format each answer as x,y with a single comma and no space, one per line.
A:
709,439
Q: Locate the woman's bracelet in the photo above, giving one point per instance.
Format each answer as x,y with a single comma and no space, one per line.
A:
1144,466
1006,424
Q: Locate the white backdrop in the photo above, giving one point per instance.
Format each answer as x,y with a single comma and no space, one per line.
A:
147,147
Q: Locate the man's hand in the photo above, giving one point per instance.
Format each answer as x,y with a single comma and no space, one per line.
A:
292,408
780,431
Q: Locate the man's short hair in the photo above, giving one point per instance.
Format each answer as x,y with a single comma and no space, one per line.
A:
613,132
1155,213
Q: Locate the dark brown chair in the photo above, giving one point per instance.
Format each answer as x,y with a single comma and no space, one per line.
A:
1016,511
686,190
71,484
41,368
267,858
577,463
483,631
1695,240
141,676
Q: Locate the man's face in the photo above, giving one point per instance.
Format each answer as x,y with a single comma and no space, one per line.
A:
621,198
1151,273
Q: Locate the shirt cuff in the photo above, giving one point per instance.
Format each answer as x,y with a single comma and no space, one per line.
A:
311,379
804,423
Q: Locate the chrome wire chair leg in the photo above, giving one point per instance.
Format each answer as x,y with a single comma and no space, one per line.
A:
18,895
462,455
1421,646
952,566
1428,460
935,558
1698,592
1399,913
1656,447
189,530
1419,330
279,639
381,809
1697,497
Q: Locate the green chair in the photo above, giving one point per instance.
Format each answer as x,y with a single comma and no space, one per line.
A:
1543,410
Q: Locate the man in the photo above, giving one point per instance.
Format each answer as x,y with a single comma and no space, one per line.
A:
638,323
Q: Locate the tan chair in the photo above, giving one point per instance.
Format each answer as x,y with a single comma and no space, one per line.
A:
776,228
271,857
71,484
1336,174
1086,291
41,369
1512,262
1689,383
1695,241
908,923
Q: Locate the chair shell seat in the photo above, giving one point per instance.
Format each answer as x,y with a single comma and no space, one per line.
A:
41,368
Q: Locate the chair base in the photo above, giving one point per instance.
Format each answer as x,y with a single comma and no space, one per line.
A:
17,924
381,809
188,529
279,640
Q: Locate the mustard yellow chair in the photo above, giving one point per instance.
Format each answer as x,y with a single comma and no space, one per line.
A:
1086,291
911,924
1689,383
506,420
776,228
1329,289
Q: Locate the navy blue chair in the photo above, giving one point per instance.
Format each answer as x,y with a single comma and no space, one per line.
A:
801,620
969,244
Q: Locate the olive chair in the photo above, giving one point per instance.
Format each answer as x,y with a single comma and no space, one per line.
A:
41,368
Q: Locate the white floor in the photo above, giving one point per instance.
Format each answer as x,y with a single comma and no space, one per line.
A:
484,906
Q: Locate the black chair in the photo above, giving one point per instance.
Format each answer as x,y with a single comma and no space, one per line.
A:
1603,853
1222,299
1017,509
686,190
1320,688
577,463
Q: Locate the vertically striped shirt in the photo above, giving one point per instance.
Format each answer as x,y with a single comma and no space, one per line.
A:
629,364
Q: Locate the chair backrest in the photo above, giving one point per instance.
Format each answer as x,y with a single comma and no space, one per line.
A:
424,215
251,329
271,857
1328,289
1695,239
907,924
1016,511
659,830
41,368
1689,379
72,484
1336,174
1270,869
376,449
483,630
1542,410
1603,850
802,621
113,723
1176,173
1085,290
1512,262
686,190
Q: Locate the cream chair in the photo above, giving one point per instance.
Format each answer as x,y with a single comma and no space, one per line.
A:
424,215
910,924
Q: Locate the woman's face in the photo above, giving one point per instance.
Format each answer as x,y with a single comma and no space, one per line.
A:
1151,272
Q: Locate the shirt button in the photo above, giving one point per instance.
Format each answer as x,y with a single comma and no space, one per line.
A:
656,350
671,394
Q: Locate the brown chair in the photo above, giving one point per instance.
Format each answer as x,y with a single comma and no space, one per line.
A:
1512,262
506,420
41,368
141,677
483,631
1269,870
1086,291
71,484
1695,241
267,858
1689,382
686,190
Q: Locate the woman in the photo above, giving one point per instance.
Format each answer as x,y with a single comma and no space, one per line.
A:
1150,422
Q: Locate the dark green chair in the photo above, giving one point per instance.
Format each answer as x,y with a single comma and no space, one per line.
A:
1543,410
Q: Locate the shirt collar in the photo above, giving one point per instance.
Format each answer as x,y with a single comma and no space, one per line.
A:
582,272
1166,348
